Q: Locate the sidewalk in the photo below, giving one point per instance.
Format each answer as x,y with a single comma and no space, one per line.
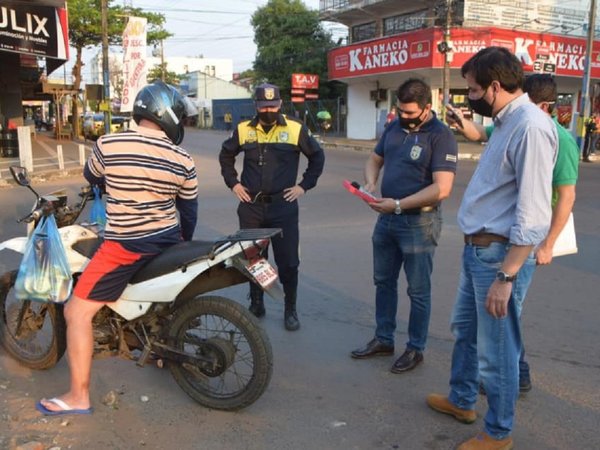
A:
46,156
466,150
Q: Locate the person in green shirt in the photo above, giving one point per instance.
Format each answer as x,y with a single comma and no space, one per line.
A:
542,91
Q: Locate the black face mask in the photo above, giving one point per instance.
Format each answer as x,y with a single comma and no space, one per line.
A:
268,117
481,107
411,124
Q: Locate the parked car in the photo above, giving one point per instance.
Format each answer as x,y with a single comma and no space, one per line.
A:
93,125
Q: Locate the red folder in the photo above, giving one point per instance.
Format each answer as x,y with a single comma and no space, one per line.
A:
359,191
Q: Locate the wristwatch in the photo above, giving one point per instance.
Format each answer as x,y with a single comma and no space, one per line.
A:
504,277
398,210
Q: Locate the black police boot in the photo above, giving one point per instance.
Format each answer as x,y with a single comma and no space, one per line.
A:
257,304
290,317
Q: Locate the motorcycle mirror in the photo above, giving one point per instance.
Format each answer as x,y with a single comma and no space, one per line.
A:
20,175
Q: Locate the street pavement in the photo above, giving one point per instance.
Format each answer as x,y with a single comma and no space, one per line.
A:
320,398
46,163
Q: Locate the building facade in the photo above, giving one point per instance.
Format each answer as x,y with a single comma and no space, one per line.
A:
391,40
215,68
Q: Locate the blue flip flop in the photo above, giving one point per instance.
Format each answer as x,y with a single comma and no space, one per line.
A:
65,409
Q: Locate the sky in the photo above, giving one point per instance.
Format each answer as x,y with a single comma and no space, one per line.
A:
211,28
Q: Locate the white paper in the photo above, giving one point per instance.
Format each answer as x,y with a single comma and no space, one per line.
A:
566,243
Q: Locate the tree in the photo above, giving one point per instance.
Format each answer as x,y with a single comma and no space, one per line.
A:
290,39
170,77
85,31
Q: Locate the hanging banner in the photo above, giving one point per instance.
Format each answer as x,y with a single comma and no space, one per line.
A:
135,66
32,29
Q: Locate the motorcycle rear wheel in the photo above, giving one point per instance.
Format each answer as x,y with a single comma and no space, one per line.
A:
222,329
41,339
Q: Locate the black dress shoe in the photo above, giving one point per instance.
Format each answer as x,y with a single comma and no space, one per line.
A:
408,361
373,348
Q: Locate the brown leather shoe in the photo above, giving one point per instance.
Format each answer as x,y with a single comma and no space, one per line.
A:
408,361
440,403
373,348
484,441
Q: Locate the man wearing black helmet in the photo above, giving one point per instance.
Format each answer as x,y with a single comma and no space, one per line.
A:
148,180
268,190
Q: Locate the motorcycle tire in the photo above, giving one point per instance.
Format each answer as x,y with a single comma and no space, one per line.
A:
236,342
42,338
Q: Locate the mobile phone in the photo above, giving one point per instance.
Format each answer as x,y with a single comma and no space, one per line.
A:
455,117
363,193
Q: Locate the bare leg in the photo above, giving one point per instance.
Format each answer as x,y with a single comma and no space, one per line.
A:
80,346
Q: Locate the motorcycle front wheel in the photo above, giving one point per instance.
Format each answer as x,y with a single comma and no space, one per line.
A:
33,333
223,332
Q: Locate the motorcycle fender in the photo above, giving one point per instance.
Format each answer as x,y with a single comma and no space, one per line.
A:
129,310
16,244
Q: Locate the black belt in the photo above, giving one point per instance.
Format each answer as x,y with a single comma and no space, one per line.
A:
416,211
267,198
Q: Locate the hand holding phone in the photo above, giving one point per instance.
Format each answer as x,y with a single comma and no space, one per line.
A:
454,116
356,189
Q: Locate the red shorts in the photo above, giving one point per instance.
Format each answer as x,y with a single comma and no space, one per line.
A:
108,273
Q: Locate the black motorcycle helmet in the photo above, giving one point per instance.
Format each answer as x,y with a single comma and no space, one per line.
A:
163,105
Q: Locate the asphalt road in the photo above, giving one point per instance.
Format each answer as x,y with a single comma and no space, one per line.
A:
319,398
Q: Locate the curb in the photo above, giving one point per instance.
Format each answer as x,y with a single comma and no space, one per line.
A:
40,177
361,148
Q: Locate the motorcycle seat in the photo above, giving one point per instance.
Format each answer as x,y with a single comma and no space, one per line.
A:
173,258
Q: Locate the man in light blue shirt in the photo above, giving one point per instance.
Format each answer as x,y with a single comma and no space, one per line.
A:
504,214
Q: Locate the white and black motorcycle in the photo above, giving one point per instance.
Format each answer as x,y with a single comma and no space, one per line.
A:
215,349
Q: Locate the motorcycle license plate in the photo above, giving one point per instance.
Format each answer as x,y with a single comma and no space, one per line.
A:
263,272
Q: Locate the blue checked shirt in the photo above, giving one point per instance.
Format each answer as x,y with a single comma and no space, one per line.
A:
511,189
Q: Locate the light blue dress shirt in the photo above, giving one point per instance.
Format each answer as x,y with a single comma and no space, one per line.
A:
511,189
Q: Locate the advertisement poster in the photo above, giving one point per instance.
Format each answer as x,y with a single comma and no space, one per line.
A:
539,52
33,29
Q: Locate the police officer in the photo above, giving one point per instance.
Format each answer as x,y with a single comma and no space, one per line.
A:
268,190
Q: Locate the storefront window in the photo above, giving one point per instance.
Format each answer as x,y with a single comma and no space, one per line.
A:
404,22
364,32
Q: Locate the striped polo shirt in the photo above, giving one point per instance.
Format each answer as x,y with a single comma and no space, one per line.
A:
147,179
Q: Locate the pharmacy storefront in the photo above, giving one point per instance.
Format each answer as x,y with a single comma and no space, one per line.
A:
374,69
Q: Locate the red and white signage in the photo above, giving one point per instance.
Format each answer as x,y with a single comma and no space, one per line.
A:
305,81
407,51
135,67
418,50
304,86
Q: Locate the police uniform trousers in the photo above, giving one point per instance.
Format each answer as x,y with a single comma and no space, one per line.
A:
276,214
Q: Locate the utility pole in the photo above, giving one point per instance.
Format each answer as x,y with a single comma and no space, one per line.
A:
105,74
162,61
584,110
446,80
444,47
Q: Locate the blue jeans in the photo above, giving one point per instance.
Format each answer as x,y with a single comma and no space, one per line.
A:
408,240
487,347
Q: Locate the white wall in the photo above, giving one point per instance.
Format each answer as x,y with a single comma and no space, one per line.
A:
205,87
362,114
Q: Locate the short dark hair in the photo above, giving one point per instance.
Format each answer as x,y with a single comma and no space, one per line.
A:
541,87
495,64
414,90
